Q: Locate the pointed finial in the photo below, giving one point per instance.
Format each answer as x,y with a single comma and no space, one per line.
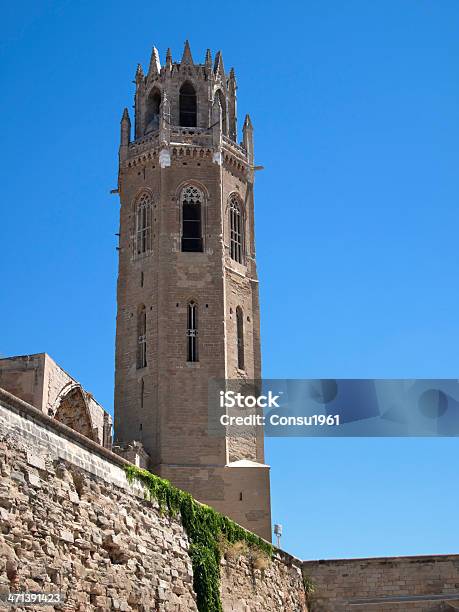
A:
169,58
125,134
247,139
208,62
155,65
218,65
186,57
138,73
232,81
247,123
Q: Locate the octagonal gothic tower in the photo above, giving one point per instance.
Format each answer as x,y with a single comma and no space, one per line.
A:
188,308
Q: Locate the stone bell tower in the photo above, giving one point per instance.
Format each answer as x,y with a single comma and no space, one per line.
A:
188,308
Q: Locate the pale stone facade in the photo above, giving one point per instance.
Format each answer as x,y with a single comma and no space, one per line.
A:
38,380
161,389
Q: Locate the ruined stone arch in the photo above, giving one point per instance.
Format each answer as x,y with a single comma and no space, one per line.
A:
72,409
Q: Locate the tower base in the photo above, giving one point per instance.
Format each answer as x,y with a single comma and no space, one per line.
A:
240,490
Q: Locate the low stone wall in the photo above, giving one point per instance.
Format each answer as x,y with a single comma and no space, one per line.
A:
71,523
389,584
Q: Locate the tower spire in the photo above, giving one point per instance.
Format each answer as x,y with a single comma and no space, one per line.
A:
125,134
218,66
183,153
186,57
247,138
208,61
139,74
169,59
155,65
232,112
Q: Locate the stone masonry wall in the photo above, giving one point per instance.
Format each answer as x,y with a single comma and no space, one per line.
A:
391,584
70,522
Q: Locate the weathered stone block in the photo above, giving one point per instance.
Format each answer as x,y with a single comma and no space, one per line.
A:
66,536
36,461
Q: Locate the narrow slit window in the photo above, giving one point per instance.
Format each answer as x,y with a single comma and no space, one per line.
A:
192,332
236,231
141,337
192,199
188,105
142,237
240,337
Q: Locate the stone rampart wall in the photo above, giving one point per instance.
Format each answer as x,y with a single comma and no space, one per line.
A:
71,523
389,584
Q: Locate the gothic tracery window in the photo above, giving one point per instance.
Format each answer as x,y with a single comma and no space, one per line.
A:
240,337
236,220
141,337
188,105
192,199
192,331
143,229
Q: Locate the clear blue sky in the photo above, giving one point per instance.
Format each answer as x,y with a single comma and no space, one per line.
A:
356,112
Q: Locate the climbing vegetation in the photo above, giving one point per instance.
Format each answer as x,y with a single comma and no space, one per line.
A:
206,529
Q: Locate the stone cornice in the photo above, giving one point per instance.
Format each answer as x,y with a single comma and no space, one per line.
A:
195,142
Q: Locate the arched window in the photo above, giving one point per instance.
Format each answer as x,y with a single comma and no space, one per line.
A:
192,331
222,99
141,337
152,111
188,106
192,199
236,221
240,337
142,237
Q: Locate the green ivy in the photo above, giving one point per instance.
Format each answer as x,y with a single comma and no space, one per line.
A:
204,527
